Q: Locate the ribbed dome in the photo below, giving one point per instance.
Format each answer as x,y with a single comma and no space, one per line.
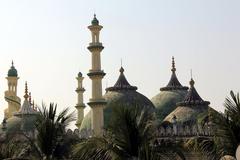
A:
191,109
122,93
174,92
12,72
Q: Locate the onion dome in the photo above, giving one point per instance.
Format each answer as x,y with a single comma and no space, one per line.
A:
95,20
79,74
165,101
121,94
192,109
12,72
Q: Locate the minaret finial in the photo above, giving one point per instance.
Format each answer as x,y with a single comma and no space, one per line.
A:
173,65
121,62
12,63
26,91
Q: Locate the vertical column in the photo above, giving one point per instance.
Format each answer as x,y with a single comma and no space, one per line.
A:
97,102
80,105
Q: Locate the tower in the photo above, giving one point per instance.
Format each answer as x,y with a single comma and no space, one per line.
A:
97,102
80,105
14,102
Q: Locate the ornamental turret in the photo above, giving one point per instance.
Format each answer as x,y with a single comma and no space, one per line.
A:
80,105
14,102
96,74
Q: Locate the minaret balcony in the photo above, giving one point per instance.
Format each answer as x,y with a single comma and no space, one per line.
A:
96,73
95,46
80,106
96,102
80,90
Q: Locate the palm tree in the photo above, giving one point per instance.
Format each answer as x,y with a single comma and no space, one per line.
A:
129,136
51,128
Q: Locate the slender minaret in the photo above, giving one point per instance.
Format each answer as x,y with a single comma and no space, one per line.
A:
14,102
97,102
80,105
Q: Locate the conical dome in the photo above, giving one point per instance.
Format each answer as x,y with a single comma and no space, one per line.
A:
122,93
191,109
174,92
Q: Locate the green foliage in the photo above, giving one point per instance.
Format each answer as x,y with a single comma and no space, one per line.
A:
130,135
51,127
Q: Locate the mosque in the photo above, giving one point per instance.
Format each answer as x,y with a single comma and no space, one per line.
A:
180,107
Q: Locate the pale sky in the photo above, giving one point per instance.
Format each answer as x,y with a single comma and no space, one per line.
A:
47,40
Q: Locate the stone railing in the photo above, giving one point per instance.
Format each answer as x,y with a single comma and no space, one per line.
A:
180,130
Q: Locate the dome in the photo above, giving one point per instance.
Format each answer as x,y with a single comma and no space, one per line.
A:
12,72
16,124
122,93
95,20
24,119
174,92
192,109
79,74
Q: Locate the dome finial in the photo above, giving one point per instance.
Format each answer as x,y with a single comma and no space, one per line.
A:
26,91
173,65
191,81
121,70
12,63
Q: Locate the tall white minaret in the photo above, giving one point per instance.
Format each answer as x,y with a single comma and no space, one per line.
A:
97,102
80,105
14,102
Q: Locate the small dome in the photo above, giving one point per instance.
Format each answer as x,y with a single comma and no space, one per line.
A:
17,124
174,92
121,94
79,74
192,108
12,72
95,20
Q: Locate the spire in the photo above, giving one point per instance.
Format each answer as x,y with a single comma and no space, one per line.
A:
30,98
122,83
173,83
173,65
26,108
26,91
192,97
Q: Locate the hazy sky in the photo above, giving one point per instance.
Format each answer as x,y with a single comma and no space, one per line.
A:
47,40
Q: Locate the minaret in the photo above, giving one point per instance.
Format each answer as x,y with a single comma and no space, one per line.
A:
80,105
14,102
97,102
